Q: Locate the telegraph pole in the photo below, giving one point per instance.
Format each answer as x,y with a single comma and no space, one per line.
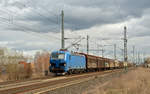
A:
87,44
62,31
125,44
115,51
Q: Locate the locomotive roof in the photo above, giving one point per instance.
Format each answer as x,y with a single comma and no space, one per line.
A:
72,53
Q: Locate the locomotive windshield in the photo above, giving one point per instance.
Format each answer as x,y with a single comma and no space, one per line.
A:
57,56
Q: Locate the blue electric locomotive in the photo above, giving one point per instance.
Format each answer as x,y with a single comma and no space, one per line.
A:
67,62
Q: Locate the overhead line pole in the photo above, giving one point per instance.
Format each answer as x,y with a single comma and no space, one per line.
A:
138,58
87,44
102,52
62,31
115,52
125,45
133,54
144,56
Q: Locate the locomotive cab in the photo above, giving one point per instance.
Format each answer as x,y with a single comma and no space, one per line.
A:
58,61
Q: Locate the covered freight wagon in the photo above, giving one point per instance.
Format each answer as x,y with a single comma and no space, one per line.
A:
111,64
116,63
121,64
91,62
101,63
125,64
94,63
107,64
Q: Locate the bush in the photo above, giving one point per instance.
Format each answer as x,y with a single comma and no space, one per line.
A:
18,72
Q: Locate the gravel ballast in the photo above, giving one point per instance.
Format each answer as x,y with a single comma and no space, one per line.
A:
84,86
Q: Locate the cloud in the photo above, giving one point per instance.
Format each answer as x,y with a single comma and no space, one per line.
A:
35,24
78,14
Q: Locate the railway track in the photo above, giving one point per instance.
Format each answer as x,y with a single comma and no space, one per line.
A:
26,80
44,85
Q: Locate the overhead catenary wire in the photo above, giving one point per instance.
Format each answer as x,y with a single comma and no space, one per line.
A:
43,7
35,11
19,26
118,8
23,24
11,13
24,29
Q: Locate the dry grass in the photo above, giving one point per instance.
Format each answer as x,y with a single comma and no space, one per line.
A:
134,82
15,72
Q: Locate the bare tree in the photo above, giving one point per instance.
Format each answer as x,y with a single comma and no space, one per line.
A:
13,69
42,61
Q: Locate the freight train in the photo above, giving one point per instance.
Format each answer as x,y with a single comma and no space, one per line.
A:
65,62
147,62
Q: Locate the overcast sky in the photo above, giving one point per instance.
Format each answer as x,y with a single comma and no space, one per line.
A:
31,25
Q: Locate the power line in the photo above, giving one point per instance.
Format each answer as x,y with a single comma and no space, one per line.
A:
43,7
119,9
42,14
75,43
21,23
4,18
24,29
